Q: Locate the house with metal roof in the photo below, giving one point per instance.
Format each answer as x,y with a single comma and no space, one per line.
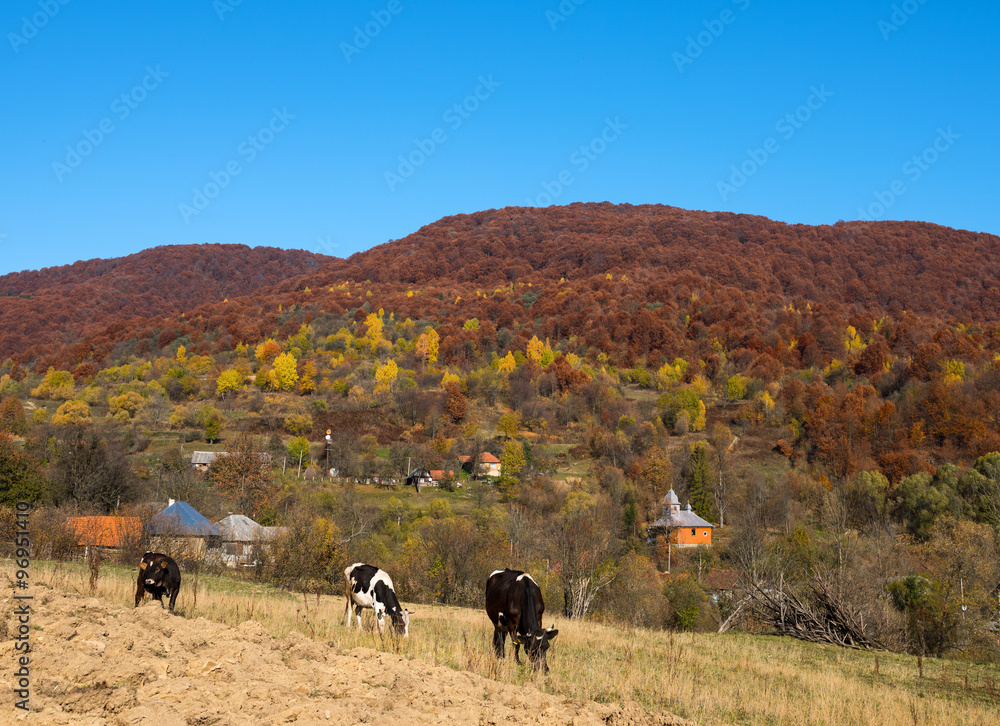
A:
681,527
243,539
181,530
201,460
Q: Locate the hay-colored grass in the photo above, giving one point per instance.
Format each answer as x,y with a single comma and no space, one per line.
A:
709,679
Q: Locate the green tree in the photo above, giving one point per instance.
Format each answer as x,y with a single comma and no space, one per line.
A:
699,480
298,450
21,478
919,503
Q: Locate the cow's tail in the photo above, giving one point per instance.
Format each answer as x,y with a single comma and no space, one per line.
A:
347,609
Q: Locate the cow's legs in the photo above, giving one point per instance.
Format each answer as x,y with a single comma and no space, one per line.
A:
499,636
517,649
173,598
347,611
139,592
357,611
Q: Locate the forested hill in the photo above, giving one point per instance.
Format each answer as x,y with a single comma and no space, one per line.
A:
172,273
36,305
656,275
879,266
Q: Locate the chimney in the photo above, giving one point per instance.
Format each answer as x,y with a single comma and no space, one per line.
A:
170,502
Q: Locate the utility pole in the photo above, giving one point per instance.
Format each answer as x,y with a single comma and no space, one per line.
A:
328,452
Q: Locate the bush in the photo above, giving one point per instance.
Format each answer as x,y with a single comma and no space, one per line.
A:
688,603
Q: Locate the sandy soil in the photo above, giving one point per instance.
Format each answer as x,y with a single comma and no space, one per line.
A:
94,662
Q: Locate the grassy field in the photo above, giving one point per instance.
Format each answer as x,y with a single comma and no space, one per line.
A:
709,679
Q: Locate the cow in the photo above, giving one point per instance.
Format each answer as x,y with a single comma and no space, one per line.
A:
514,605
370,587
159,576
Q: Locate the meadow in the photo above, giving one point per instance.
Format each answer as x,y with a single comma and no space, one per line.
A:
707,678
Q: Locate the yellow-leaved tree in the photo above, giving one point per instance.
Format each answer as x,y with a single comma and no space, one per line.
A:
385,376
229,381
427,346
285,372
374,334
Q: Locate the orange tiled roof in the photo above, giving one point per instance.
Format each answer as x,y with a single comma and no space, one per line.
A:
105,531
488,458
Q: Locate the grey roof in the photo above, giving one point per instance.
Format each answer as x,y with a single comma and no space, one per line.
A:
205,457
239,528
674,516
273,532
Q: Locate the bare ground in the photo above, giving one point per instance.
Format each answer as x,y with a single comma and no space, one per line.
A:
94,663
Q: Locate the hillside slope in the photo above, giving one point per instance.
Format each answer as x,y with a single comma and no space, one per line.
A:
638,270
924,268
55,305
95,663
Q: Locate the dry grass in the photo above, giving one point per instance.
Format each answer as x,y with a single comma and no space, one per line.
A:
709,679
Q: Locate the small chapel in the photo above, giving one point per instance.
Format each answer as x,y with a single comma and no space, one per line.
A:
682,527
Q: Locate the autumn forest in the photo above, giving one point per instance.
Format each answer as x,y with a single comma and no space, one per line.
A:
826,396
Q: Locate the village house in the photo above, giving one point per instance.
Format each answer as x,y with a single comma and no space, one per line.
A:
489,465
440,475
420,477
681,527
201,460
105,535
243,539
181,531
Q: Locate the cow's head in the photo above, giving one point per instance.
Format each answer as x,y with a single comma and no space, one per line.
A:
156,572
536,646
401,621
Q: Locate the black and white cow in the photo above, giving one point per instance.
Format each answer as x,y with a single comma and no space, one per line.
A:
159,576
370,587
514,605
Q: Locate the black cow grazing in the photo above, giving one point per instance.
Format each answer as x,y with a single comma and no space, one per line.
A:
514,605
370,587
159,576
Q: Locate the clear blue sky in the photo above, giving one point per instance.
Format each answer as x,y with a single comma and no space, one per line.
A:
683,93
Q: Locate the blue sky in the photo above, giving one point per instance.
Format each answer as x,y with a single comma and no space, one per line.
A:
348,124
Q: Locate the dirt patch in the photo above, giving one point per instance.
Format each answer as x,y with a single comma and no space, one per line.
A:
97,663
